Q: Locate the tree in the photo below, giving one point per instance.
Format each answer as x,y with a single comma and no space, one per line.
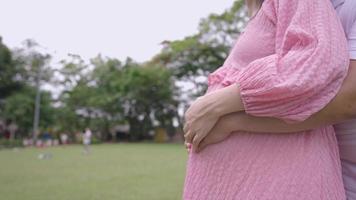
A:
37,71
147,98
25,70
198,55
113,93
105,91
89,94
193,58
10,73
19,107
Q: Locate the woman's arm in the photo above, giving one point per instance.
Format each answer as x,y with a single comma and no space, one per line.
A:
341,108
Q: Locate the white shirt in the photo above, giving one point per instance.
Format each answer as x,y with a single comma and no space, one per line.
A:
352,41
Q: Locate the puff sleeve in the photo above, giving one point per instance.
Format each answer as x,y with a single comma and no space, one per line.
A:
308,67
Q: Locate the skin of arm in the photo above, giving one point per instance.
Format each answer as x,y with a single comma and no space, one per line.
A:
341,108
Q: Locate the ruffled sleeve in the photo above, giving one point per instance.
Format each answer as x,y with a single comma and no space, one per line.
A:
308,67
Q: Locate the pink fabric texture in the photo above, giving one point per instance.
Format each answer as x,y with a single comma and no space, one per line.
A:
290,62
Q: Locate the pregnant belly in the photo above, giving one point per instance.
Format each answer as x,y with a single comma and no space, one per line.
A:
246,166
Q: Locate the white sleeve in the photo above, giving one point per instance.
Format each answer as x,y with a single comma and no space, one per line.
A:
352,41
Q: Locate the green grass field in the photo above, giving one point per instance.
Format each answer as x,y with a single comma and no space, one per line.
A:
117,171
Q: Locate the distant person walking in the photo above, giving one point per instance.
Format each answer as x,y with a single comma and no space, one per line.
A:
87,140
64,138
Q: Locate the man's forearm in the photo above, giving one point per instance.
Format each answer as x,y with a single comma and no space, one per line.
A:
244,122
341,108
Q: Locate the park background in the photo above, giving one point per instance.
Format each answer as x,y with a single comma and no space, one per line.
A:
133,107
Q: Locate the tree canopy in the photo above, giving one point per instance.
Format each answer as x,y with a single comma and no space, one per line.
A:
104,92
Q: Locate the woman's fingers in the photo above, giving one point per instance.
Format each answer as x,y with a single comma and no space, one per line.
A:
202,145
196,141
189,137
188,146
185,128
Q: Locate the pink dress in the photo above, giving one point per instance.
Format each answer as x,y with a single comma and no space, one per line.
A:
290,62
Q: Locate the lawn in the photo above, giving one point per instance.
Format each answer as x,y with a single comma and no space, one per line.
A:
117,171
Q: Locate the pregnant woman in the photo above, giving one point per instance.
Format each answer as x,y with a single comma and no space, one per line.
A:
288,64
340,109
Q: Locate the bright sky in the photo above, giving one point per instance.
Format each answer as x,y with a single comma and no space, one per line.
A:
115,28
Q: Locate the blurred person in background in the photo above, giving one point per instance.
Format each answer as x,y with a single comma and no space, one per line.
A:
87,134
64,138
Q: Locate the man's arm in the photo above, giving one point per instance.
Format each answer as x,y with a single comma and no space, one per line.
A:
341,108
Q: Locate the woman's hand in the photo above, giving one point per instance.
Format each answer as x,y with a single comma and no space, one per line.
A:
200,118
203,114
221,131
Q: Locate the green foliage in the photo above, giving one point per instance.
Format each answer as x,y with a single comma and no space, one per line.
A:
147,95
9,72
21,70
114,93
66,120
90,99
106,92
192,59
33,64
10,143
19,107
198,55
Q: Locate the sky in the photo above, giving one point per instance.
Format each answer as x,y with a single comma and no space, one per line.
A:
114,28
